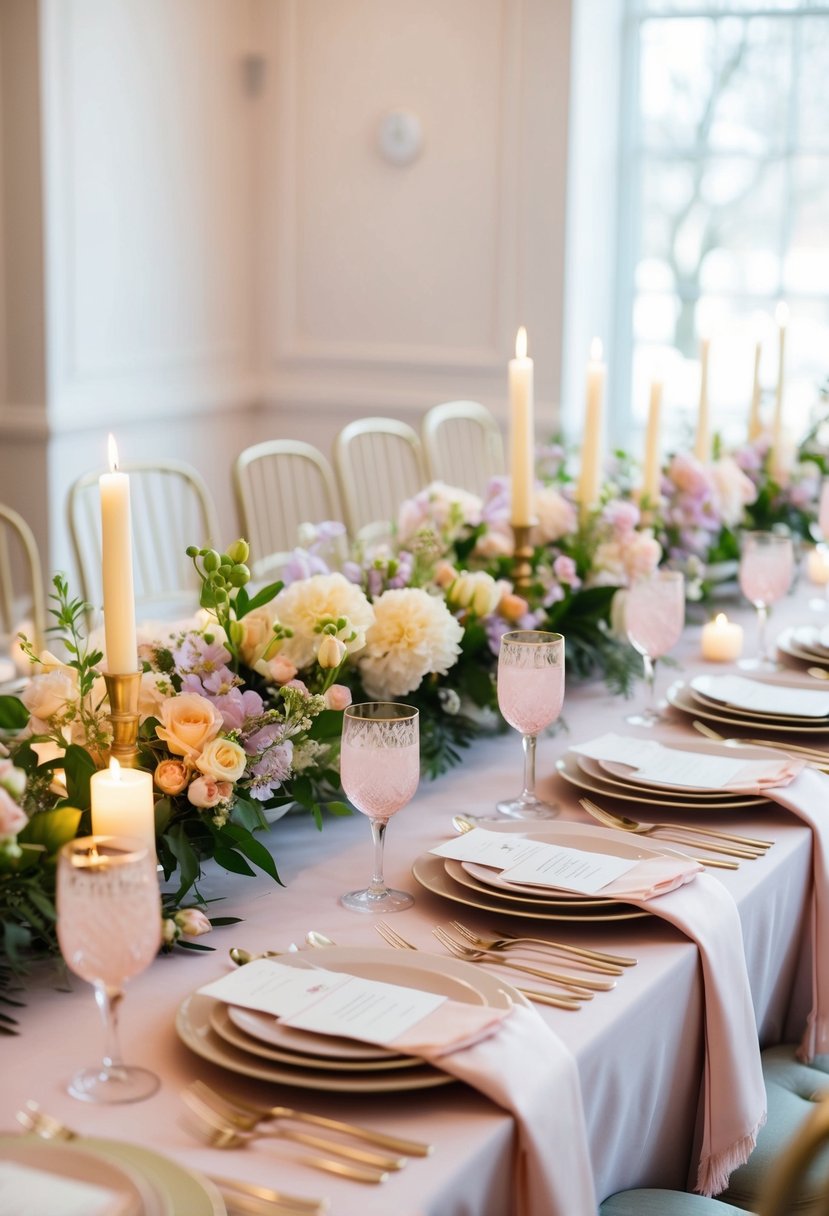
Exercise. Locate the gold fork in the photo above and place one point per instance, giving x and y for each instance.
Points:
(610, 821)
(581, 957)
(211, 1129)
(668, 831)
(247, 1116)
(581, 989)
(559, 1000)
(813, 755)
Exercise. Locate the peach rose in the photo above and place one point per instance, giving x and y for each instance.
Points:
(171, 776)
(204, 792)
(257, 634)
(337, 697)
(512, 607)
(223, 760)
(188, 723)
(278, 669)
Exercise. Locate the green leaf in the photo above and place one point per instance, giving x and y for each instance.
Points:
(79, 767)
(232, 861)
(327, 725)
(248, 813)
(338, 808)
(241, 603)
(163, 812)
(219, 921)
(13, 714)
(263, 597)
(252, 848)
(51, 829)
(188, 862)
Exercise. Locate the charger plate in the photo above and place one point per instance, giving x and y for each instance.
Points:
(568, 768)
(681, 696)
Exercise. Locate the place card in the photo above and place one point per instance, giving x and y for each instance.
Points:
(536, 861)
(326, 1002)
(24, 1190)
(777, 699)
(662, 765)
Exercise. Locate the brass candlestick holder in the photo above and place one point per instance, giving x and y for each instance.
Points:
(522, 571)
(123, 691)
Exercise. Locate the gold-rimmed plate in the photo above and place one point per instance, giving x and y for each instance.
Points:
(610, 773)
(567, 768)
(430, 872)
(469, 875)
(682, 698)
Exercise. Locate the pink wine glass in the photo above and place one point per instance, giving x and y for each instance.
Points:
(530, 696)
(380, 771)
(654, 616)
(109, 929)
(766, 573)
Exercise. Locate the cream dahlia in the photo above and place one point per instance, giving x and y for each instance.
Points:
(413, 634)
(312, 601)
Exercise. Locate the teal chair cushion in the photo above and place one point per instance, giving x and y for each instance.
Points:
(665, 1203)
(791, 1089)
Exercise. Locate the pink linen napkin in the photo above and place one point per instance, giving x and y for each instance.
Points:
(807, 797)
(778, 775)
(734, 1092)
(650, 877)
(526, 1069)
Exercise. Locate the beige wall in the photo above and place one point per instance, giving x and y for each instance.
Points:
(227, 254)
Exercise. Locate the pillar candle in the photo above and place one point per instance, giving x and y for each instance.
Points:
(590, 479)
(122, 803)
(522, 435)
(777, 458)
(116, 563)
(702, 447)
(652, 479)
(755, 422)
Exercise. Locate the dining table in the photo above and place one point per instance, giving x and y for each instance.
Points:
(639, 1048)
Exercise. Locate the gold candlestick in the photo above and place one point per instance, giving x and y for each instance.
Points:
(123, 692)
(522, 571)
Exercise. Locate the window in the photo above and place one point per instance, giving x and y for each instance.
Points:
(725, 203)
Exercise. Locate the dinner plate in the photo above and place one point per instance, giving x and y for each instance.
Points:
(223, 1019)
(429, 871)
(611, 772)
(612, 769)
(536, 897)
(414, 969)
(125, 1192)
(570, 771)
(174, 1189)
(804, 641)
(753, 716)
(291, 1039)
(681, 697)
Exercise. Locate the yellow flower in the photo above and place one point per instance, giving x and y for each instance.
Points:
(188, 723)
(223, 760)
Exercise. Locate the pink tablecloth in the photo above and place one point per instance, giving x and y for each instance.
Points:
(638, 1048)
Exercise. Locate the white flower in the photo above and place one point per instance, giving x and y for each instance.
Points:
(413, 634)
(323, 597)
(556, 516)
(47, 696)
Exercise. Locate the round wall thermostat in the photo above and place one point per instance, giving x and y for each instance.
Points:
(400, 137)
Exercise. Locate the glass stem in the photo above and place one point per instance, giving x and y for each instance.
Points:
(108, 1001)
(649, 666)
(762, 618)
(377, 886)
(529, 742)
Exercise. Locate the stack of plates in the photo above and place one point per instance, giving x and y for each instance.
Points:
(481, 887)
(137, 1181)
(702, 699)
(807, 644)
(610, 780)
(257, 1045)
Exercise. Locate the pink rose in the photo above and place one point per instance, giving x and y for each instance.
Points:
(12, 779)
(171, 776)
(12, 817)
(622, 516)
(687, 473)
(204, 792)
(642, 555)
(192, 922)
(280, 670)
(564, 568)
(337, 697)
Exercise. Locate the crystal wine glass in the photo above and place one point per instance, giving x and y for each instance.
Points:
(654, 616)
(530, 696)
(109, 929)
(379, 770)
(766, 572)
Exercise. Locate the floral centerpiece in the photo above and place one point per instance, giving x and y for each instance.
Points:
(786, 493)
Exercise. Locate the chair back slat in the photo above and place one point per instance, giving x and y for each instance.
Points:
(379, 463)
(281, 484)
(21, 578)
(463, 445)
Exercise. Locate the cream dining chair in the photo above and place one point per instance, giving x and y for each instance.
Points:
(463, 445)
(21, 578)
(171, 509)
(379, 463)
(279, 485)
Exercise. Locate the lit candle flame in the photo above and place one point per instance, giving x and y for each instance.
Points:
(112, 449)
(596, 350)
(114, 769)
(781, 314)
(720, 619)
(521, 343)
